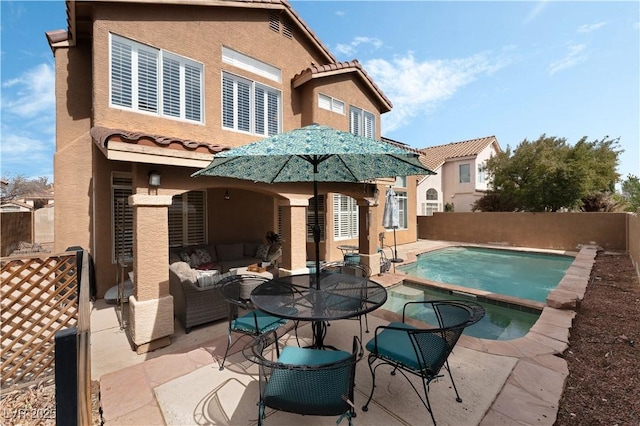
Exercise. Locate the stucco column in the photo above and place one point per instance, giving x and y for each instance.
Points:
(368, 236)
(151, 305)
(294, 234)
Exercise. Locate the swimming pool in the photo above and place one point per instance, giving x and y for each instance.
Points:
(524, 275)
(499, 323)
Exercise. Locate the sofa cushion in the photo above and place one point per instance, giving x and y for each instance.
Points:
(207, 278)
(230, 251)
(194, 260)
(173, 257)
(211, 248)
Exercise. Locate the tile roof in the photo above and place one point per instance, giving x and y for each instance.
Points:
(337, 68)
(103, 135)
(434, 156)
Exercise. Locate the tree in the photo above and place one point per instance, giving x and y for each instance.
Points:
(18, 186)
(550, 174)
(631, 193)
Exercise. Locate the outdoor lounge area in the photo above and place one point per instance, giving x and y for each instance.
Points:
(498, 381)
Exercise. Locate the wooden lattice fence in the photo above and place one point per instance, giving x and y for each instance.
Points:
(39, 298)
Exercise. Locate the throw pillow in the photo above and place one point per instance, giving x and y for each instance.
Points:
(204, 255)
(206, 266)
(185, 257)
(194, 260)
(262, 251)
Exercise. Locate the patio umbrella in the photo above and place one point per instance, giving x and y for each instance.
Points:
(315, 154)
(391, 219)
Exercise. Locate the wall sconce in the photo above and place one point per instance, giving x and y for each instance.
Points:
(373, 201)
(227, 197)
(154, 178)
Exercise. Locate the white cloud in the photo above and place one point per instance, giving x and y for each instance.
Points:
(352, 47)
(572, 58)
(587, 28)
(31, 94)
(28, 122)
(417, 87)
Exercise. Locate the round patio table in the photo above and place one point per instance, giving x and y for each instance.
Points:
(298, 297)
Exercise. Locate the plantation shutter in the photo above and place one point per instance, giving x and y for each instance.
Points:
(147, 80)
(311, 220)
(259, 110)
(187, 219)
(121, 79)
(122, 215)
(345, 217)
(193, 92)
(243, 106)
(369, 125)
(227, 102)
(171, 87)
(273, 108)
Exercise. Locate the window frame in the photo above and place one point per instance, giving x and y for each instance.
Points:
(430, 194)
(153, 84)
(403, 207)
(365, 125)
(346, 218)
(252, 88)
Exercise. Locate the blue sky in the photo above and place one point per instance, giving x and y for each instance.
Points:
(454, 71)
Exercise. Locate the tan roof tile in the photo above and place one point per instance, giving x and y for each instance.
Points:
(434, 156)
(103, 134)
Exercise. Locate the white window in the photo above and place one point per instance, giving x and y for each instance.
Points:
(482, 173)
(401, 182)
(465, 173)
(330, 104)
(187, 219)
(432, 194)
(429, 208)
(150, 80)
(345, 217)
(121, 216)
(402, 206)
(362, 123)
(311, 217)
(250, 107)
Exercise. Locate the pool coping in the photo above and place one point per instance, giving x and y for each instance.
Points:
(533, 390)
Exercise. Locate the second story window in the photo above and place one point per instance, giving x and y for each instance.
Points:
(330, 104)
(432, 194)
(150, 80)
(362, 123)
(250, 107)
(465, 173)
(482, 173)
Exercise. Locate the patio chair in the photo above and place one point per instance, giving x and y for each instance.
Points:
(305, 381)
(422, 351)
(243, 317)
(350, 268)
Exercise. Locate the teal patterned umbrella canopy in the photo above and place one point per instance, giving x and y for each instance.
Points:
(315, 154)
(336, 156)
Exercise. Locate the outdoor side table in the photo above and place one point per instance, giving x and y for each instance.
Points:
(339, 296)
(350, 253)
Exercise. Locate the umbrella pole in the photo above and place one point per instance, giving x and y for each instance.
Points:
(316, 224)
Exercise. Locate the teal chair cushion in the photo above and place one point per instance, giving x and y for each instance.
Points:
(266, 322)
(304, 356)
(396, 345)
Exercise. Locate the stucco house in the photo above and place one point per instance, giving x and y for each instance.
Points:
(460, 177)
(148, 91)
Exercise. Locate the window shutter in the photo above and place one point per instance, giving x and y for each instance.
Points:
(243, 106)
(369, 125)
(259, 110)
(195, 208)
(121, 81)
(193, 93)
(227, 102)
(273, 115)
(171, 87)
(122, 215)
(354, 121)
(310, 217)
(324, 102)
(175, 222)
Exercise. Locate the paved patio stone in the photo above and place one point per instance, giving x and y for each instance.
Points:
(558, 333)
(125, 391)
(516, 403)
(538, 380)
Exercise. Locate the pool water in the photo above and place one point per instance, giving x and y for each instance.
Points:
(499, 322)
(513, 273)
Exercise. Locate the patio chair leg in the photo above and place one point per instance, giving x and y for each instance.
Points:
(458, 399)
(365, 407)
(225, 353)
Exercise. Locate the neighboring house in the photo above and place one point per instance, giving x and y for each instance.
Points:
(147, 92)
(38, 200)
(460, 177)
(15, 206)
